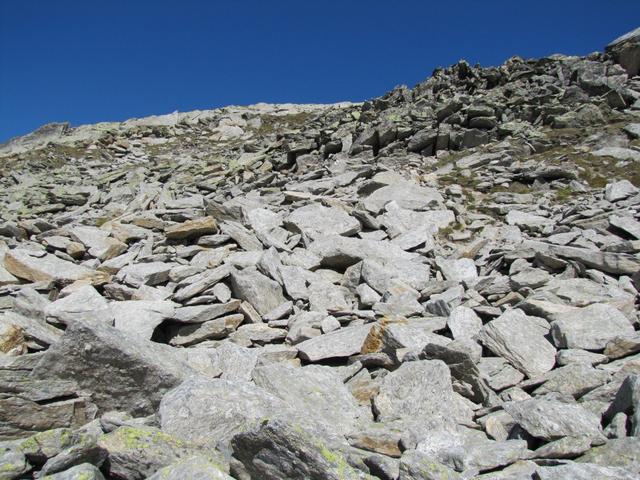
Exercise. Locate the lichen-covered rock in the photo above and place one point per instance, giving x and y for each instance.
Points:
(277, 450)
(138, 453)
(195, 468)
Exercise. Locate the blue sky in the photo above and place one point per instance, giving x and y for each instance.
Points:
(88, 61)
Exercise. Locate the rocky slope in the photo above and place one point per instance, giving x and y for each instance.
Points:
(440, 283)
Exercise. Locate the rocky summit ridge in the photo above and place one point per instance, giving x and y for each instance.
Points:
(440, 283)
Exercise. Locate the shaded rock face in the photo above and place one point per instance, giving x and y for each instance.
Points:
(438, 283)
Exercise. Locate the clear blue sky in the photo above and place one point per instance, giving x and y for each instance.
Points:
(86, 61)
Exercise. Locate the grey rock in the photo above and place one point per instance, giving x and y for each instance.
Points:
(576, 356)
(277, 450)
(82, 305)
(416, 465)
(260, 291)
(212, 412)
(575, 380)
(627, 401)
(215, 329)
(314, 391)
(32, 329)
(151, 273)
(460, 270)
(98, 242)
(620, 190)
(339, 344)
(194, 468)
(138, 453)
(566, 447)
(325, 296)
(463, 322)
(335, 251)
(84, 471)
(498, 373)
(627, 224)
(550, 420)
(201, 282)
(626, 51)
(617, 452)
(28, 265)
(138, 371)
(141, 317)
(204, 313)
(407, 195)
(417, 393)
(618, 153)
(520, 340)
(583, 471)
(589, 328)
(316, 220)
(13, 465)
(621, 346)
(379, 273)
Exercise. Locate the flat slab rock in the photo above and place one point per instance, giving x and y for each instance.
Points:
(590, 328)
(315, 220)
(519, 339)
(338, 344)
(551, 420)
(26, 265)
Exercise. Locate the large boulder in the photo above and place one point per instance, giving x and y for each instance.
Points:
(626, 51)
(213, 411)
(418, 393)
(590, 328)
(138, 452)
(123, 372)
(280, 451)
(314, 390)
(551, 420)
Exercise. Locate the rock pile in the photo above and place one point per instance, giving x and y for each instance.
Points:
(438, 283)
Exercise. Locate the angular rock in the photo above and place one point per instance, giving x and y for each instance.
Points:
(407, 195)
(84, 471)
(211, 412)
(590, 328)
(521, 341)
(191, 229)
(316, 391)
(197, 468)
(122, 371)
(141, 317)
(550, 420)
(464, 323)
(260, 291)
(276, 450)
(417, 392)
(83, 305)
(138, 453)
(215, 329)
(316, 220)
(26, 265)
(339, 344)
